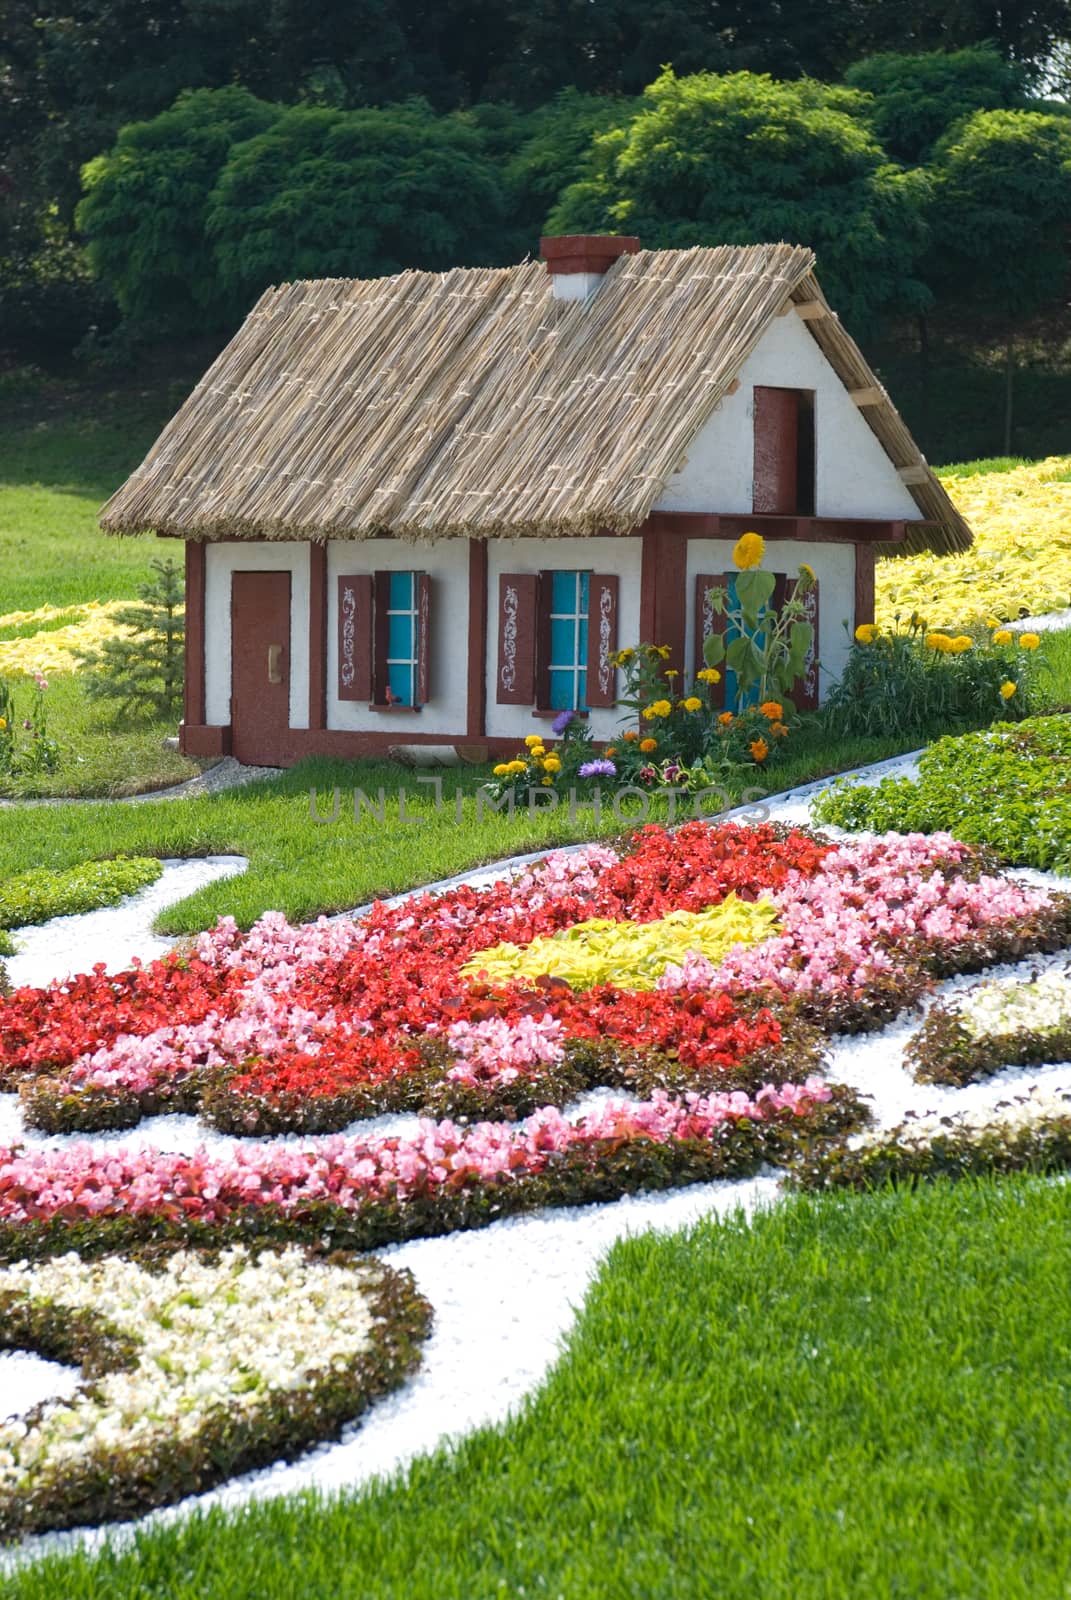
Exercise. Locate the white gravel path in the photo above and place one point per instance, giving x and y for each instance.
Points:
(114, 934)
(504, 1297)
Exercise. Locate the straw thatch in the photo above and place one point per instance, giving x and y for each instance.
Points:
(473, 403)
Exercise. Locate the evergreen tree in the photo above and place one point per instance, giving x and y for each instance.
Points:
(141, 671)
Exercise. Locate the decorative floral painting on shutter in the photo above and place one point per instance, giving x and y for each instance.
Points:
(518, 605)
(602, 640)
(355, 637)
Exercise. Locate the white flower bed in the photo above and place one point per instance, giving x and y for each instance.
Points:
(196, 1365)
(1039, 1002)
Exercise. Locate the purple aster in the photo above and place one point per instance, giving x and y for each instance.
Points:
(597, 769)
(562, 721)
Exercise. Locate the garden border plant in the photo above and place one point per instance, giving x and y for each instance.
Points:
(1006, 788)
(37, 896)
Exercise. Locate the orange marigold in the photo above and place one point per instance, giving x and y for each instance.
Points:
(759, 749)
(631, 734)
(773, 710)
(647, 745)
(725, 718)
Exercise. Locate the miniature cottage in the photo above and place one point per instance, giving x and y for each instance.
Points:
(422, 510)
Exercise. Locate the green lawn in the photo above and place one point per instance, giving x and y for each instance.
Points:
(303, 867)
(61, 456)
(96, 756)
(852, 1396)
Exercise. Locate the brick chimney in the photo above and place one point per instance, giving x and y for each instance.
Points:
(576, 261)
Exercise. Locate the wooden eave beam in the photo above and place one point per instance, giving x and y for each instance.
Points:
(918, 472)
(810, 310)
(872, 396)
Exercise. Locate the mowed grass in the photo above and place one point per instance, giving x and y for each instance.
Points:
(61, 456)
(97, 756)
(860, 1395)
(302, 867)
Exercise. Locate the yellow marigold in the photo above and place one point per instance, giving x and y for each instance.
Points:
(749, 550)
(1007, 689)
(1029, 641)
(663, 651)
(693, 703)
(547, 782)
(779, 729)
(772, 710)
(647, 745)
(657, 708)
(516, 767)
(939, 642)
(537, 752)
(501, 770)
(631, 734)
(866, 633)
(759, 749)
(552, 764)
(671, 672)
(623, 658)
(709, 675)
(725, 718)
(533, 739)
(961, 643)
(1002, 636)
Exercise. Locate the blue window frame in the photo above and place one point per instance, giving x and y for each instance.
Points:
(568, 621)
(402, 636)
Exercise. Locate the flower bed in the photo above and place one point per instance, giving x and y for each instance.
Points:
(1029, 1133)
(38, 895)
(196, 1365)
(1003, 1022)
(1019, 564)
(457, 1004)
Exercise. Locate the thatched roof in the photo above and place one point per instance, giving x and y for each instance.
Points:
(473, 403)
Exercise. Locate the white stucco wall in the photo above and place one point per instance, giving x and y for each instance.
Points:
(221, 560)
(835, 566)
(853, 475)
(447, 564)
(622, 556)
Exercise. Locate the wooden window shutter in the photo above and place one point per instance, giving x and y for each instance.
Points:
(602, 640)
(707, 621)
(805, 690)
(421, 693)
(380, 637)
(518, 615)
(355, 637)
(776, 421)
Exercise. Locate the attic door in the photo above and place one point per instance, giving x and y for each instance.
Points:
(784, 452)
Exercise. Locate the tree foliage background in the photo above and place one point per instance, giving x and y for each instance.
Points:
(161, 161)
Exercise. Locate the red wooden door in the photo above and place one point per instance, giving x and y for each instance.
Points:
(777, 417)
(260, 665)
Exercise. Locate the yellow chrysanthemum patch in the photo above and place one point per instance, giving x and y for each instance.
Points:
(51, 650)
(630, 955)
(1021, 559)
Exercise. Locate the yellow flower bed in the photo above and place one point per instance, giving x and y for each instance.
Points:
(631, 955)
(57, 649)
(1020, 563)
